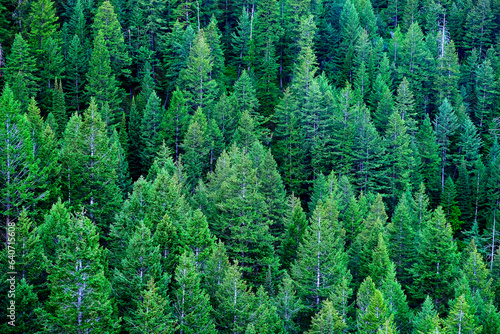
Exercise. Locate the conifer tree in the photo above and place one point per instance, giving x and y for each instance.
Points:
(175, 122)
(134, 132)
(425, 319)
(493, 192)
(152, 314)
(52, 68)
(461, 319)
(288, 304)
(150, 135)
(375, 315)
(20, 69)
(80, 294)
(196, 146)
(327, 320)
(401, 238)
(89, 164)
(191, 304)
(198, 238)
(321, 260)
(436, 260)
(42, 25)
(350, 31)
(201, 89)
(21, 176)
(265, 41)
(234, 300)
(449, 204)
(399, 158)
(59, 109)
(445, 125)
(101, 80)
(380, 264)
(486, 90)
(106, 21)
(140, 263)
(479, 26)
(395, 299)
(295, 227)
(76, 63)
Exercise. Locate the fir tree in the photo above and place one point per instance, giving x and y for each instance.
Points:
(295, 227)
(42, 25)
(436, 260)
(288, 304)
(200, 89)
(152, 314)
(191, 304)
(101, 81)
(76, 62)
(150, 134)
(175, 122)
(479, 26)
(327, 320)
(20, 71)
(460, 319)
(80, 294)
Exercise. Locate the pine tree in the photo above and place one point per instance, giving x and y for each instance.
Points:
(380, 263)
(399, 158)
(449, 204)
(21, 175)
(493, 193)
(375, 315)
(425, 319)
(59, 109)
(52, 68)
(101, 81)
(213, 37)
(350, 31)
(152, 314)
(191, 304)
(486, 90)
(198, 238)
(80, 294)
(401, 238)
(135, 147)
(395, 299)
(200, 89)
(150, 135)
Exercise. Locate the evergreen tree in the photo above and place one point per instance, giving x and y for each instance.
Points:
(436, 260)
(191, 304)
(395, 299)
(106, 21)
(201, 89)
(76, 62)
(80, 294)
(151, 315)
(101, 81)
(265, 41)
(89, 164)
(486, 90)
(59, 109)
(175, 122)
(140, 263)
(479, 26)
(321, 260)
(295, 227)
(20, 69)
(493, 193)
(234, 301)
(328, 320)
(196, 146)
(42, 25)
(375, 315)
(288, 305)
(446, 125)
(460, 319)
(150, 127)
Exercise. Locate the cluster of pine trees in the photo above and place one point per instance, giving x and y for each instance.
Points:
(265, 166)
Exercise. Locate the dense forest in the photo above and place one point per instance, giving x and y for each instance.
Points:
(265, 166)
